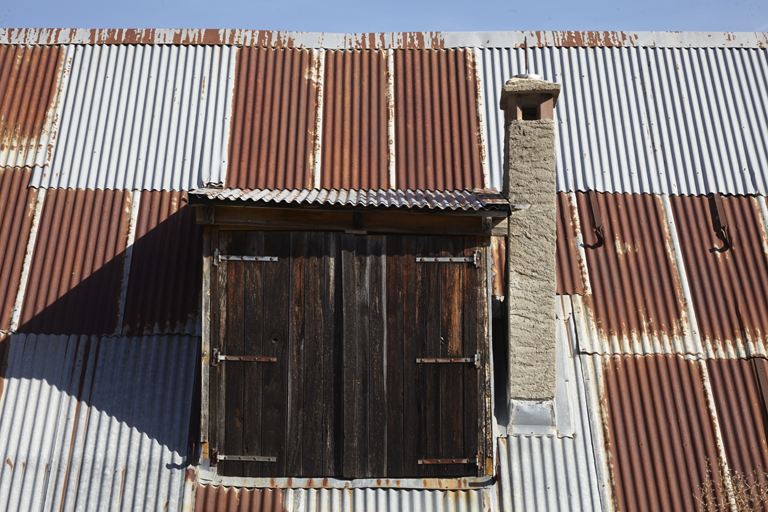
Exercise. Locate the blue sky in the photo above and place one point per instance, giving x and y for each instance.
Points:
(393, 15)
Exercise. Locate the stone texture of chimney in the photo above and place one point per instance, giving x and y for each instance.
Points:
(531, 281)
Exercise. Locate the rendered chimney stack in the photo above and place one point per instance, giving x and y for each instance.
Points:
(529, 103)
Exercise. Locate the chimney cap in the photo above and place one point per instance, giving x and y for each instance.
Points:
(528, 84)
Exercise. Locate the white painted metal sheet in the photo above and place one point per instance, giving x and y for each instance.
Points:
(95, 424)
(646, 120)
(142, 117)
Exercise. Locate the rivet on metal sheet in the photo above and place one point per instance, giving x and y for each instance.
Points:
(595, 208)
(721, 225)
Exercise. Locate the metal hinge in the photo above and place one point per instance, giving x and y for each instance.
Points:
(218, 357)
(218, 257)
(216, 457)
(474, 359)
(475, 258)
(476, 460)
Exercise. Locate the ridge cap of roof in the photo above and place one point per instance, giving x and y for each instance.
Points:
(386, 40)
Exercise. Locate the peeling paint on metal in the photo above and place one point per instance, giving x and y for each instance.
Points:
(28, 94)
(729, 287)
(637, 302)
(27, 262)
(316, 156)
(391, 143)
(412, 40)
(482, 129)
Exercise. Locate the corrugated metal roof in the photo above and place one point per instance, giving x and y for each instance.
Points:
(442, 200)
(17, 208)
(274, 119)
(569, 254)
(740, 410)
(76, 272)
(363, 500)
(646, 120)
(29, 78)
(357, 149)
(142, 117)
(558, 471)
(209, 498)
(729, 288)
(437, 134)
(638, 302)
(95, 424)
(288, 39)
(163, 292)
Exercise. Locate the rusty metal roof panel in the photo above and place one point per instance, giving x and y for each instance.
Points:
(209, 498)
(29, 85)
(639, 300)
(667, 120)
(659, 429)
(740, 405)
(356, 115)
(435, 40)
(430, 199)
(274, 119)
(142, 117)
(17, 212)
(91, 423)
(438, 143)
(166, 273)
(76, 272)
(569, 254)
(729, 286)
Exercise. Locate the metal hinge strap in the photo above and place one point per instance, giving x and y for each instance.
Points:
(218, 257)
(474, 359)
(218, 357)
(475, 258)
(476, 460)
(216, 456)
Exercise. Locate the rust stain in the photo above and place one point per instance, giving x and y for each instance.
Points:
(17, 207)
(570, 266)
(729, 288)
(77, 263)
(635, 286)
(272, 136)
(660, 440)
(10, 464)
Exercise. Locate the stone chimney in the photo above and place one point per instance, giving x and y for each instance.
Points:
(528, 102)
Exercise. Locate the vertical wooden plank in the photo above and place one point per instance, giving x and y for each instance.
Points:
(414, 332)
(362, 348)
(314, 407)
(296, 353)
(277, 276)
(429, 303)
(482, 342)
(377, 403)
(452, 334)
(234, 345)
(349, 292)
(474, 279)
(332, 355)
(253, 312)
(395, 309)
(214, 376)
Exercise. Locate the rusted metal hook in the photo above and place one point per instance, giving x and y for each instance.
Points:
(595, 208)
